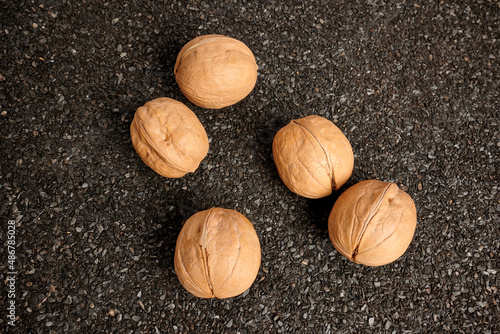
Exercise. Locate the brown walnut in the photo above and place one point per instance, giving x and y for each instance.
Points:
(168, 137)
(217, 254)
(215, 71)
(372, 223)
(313, 157)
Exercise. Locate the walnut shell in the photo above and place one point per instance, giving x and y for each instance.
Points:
(372, 223)
(217, 254)
(168, 137)
(313, 157)
(215, 71)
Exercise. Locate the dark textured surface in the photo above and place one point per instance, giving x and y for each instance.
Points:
(413, 85)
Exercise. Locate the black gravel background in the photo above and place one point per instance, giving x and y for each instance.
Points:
(413, 85)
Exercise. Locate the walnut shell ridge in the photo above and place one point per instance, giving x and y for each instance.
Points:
(215, 71)
(372, 223)
(169, 137)
(313, 156)
(217, 254)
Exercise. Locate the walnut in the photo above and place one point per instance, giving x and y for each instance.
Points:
(372, 223)
(215, 71)
(313, 157)
(168, 137)
(217, 254)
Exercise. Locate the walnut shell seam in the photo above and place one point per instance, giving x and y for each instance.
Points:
(330, 168)
(155, 148)
(367, 221)
(178, 65)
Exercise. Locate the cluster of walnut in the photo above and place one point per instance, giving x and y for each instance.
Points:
(218, 252)
(373, 222)
(213, 71)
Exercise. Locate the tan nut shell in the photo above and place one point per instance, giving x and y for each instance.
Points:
(313, 157)
(372, 223)
(215, 71)
(168, 137)
(217, 254)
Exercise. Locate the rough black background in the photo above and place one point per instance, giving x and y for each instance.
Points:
(413, 85)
